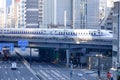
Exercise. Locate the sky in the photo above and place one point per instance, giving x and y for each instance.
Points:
(1, 3)
(8, 2)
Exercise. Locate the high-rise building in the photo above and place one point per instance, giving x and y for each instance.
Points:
(11, 19)
(21, 13)
(79, 13)
(51, 13)
(2, 13)
(106, 15)
(32, 13)
(116, 34)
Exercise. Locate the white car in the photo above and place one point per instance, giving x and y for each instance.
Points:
(14, 66)
(79, 74)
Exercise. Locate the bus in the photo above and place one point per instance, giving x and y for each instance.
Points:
(6, 53)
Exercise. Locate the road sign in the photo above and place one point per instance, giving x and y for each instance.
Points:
(11, 47)
(23, 43)
(0, 47)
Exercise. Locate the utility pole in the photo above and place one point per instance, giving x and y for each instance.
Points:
(73, 14)
(71, 70)
(65, 19)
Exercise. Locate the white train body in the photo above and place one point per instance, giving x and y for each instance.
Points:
(85, 34)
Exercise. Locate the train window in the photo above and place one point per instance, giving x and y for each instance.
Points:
(89, 33)
(73, 33)
(40, 32)
(92, 34)
(59, 33)
(33, 32)
(13, 32)
(84, 33)
(67, 33)
(37, 32)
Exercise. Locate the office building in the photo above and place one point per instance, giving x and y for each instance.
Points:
(21, 13)
(80, 14)
(116, 34)
(2, 13)
(32, 14)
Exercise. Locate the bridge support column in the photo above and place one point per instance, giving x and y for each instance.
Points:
(67, 57)
(30, 59)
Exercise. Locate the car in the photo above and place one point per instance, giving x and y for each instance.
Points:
(79, 74)
(14, 66)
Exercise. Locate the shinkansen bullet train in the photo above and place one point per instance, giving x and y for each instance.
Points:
(87, 34)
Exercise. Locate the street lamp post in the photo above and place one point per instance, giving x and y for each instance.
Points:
(71, 70)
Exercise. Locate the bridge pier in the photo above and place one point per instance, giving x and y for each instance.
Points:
(67, 57)
(30, 56)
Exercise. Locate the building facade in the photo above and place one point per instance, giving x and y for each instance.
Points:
(32, 14)
(80, 14)
(20, 10)
(116, 34)
(2, 13)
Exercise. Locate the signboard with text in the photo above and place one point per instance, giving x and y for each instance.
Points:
(22, 44)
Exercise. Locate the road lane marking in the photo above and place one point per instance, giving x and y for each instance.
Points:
(47, 71)
(50, 66)
(57, 71)
(40, 66)
(83, 78)
(21, 66)
(23, 78)
(55, 76)
(19, 72)
(31, 78)
(65, 76)
(41, 75)
(5, 72)
(44, 73)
